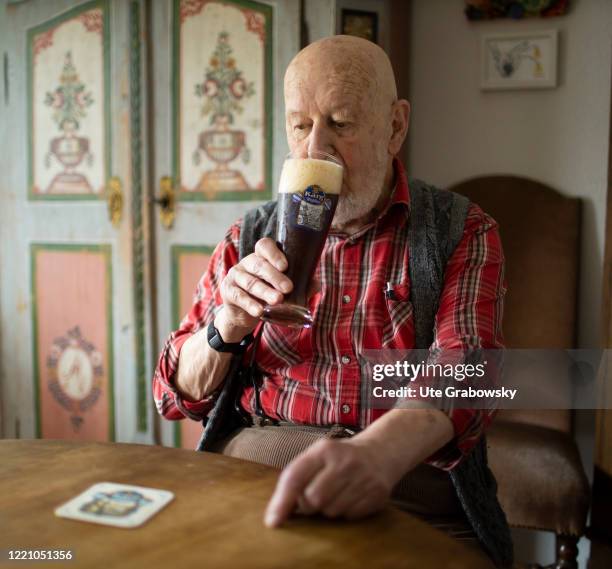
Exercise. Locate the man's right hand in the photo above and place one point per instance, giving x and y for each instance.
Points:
(255, 281)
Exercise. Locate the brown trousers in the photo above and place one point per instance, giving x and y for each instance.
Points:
(426, 492)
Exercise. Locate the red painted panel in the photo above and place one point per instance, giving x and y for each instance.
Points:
(191, 266)
(72, 315)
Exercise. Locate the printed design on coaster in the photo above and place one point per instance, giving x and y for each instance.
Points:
(313, 204)
(119, 505)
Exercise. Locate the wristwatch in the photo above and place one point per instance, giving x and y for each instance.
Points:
(215, 341)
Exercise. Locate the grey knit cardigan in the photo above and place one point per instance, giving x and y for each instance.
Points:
(435, 227)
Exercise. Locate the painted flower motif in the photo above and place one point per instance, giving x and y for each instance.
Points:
(238, 88)
(56, 99)
(70, 99)
(211, 88)
(82, 99)
(223, 86)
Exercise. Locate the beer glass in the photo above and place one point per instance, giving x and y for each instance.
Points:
(307, 197)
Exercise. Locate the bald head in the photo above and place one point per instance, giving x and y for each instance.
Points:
(349, 61)
(340, 98)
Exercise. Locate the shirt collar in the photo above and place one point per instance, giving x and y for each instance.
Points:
(401, 193)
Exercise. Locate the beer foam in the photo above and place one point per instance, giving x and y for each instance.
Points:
(299, 173)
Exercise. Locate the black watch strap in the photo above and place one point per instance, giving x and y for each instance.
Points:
(215, 341)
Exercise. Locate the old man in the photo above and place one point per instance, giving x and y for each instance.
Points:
(341, 98)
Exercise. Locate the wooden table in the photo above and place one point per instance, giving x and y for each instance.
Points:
(215, 519)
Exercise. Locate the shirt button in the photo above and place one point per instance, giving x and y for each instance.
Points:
(346, 299)
(346, 408)
(346, 360)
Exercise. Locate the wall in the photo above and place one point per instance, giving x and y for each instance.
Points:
(556, 136)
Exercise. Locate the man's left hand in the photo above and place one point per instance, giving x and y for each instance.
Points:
(354, 477)
(338, 478)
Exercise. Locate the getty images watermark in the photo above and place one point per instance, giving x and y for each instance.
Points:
(488, 379)
(437, 373)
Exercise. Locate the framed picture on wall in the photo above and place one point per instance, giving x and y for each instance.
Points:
(360, 23)
(525, 60)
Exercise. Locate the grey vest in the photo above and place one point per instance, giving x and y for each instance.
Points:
(435, 226)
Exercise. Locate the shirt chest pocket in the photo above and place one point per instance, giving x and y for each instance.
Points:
(398, 328)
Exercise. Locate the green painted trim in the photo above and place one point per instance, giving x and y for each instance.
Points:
(108, 135)
(105, 250)
(35, 351)
(138, 260)
(175, 286)
(31, 33)
(269, 102)
(249, 195)
(30, 109)
(176, 93)
(63, 197)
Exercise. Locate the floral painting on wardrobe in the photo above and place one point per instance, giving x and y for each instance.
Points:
(68, 86)
(223, 99)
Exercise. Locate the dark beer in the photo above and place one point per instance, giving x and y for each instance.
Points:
(307, 198)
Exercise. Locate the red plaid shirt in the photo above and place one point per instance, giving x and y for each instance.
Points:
(314, 375)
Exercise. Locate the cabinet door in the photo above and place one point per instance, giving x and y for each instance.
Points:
(73, 354)
(219, 136)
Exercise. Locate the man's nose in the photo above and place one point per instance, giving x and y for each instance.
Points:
(321, 139)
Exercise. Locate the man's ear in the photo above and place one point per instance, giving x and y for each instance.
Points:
(400, 117)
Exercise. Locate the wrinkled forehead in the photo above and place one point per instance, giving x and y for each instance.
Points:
(329, 95)
(351, 84)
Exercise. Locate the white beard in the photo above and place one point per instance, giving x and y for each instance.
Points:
(358, 204)
(356, 207)
(351, 208)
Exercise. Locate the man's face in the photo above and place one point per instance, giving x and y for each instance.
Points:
(335, 112)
